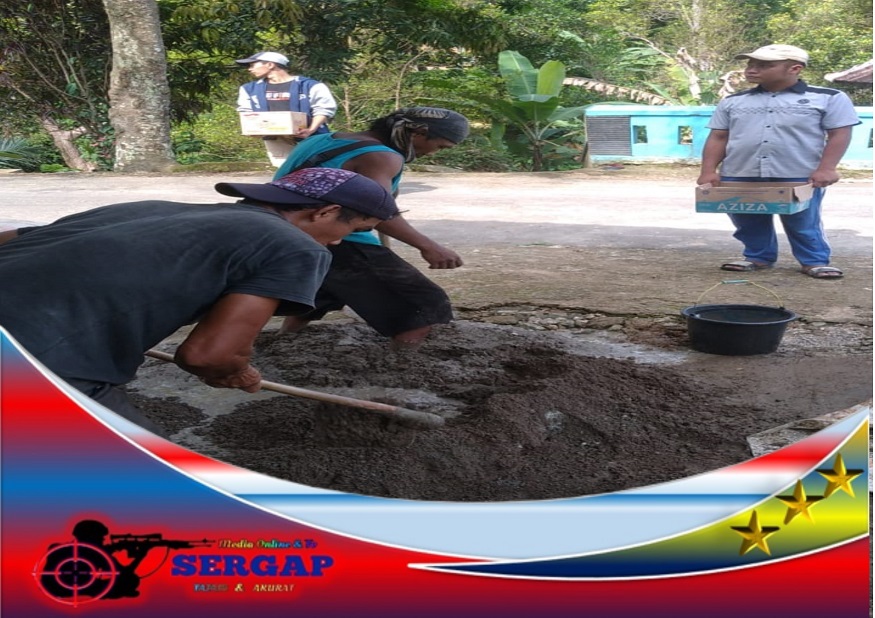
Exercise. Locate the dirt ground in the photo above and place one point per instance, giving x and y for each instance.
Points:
(530, 414)
(568, 370)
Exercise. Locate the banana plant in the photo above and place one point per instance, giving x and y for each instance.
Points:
(532, 106)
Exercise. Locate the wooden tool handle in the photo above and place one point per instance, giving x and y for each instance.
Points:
(414, 418)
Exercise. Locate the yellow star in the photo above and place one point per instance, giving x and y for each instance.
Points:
(799, 503)
(755, 535)
(839, 478)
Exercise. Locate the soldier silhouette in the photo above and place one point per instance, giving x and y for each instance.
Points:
(90, 567)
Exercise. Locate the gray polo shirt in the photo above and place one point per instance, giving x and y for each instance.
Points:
(780, 134)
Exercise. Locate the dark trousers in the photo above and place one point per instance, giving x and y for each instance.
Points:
(112, 397)
(389, 294)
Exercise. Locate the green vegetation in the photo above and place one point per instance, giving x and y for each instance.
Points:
(214, 137)
(16, 153)
(527, 121)
(56, 57)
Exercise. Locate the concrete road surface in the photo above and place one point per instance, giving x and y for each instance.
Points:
(611, 242)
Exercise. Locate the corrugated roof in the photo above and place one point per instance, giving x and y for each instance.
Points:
(860, 74)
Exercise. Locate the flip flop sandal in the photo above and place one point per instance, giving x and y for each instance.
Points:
(823, 272)
(744, 266)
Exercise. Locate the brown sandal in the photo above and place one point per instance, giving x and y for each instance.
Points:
(744, 266)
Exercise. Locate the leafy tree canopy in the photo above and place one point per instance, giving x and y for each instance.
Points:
(328, 39)
(54, 62)
(833, 44)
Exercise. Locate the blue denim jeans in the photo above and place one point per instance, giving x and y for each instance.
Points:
(804, 230)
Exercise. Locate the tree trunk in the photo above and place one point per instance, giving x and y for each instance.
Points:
(537, 156)
(63, 140)
(139, 95)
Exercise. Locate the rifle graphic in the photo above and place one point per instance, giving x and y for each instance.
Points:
(141, 542)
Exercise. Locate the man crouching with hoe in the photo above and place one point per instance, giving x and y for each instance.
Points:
(89, 294)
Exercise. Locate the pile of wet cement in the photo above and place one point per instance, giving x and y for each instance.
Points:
(528, 417)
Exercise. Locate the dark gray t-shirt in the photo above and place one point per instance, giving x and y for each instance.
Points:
(88, 294)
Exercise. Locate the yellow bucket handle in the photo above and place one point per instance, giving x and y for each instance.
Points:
(736, 281)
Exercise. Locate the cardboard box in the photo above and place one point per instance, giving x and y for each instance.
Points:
(272, 123)
(754, 198)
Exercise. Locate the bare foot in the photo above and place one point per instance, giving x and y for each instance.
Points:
(404, 346)
(292, 324)
(409, 341)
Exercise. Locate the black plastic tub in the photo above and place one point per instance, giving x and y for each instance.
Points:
(736, 330)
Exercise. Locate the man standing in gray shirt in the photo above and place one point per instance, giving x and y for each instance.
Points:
(783, 130)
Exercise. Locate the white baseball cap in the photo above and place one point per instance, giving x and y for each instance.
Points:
(771, 53)
(267, 56)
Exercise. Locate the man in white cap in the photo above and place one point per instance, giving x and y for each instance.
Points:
(782, 130)
(276, 90)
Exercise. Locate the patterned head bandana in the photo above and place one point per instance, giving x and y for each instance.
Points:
(439, 122)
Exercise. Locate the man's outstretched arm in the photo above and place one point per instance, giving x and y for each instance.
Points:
(436, 255)
(219, 348)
